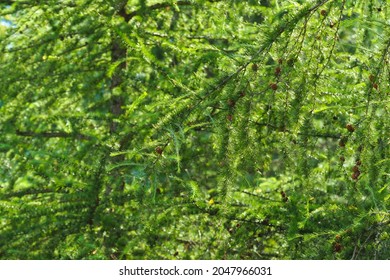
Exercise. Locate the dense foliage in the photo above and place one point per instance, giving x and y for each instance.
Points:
(194, 129)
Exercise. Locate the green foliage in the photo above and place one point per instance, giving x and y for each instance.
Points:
(194, 130)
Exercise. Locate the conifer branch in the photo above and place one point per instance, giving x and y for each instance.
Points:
(33, 191)
(275, 33)
(53, 134)
(158, 6)
(314, 134)
(258, 196)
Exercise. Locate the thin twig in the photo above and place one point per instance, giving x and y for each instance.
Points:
(50, 134)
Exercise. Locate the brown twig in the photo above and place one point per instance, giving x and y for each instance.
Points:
(53, 134)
